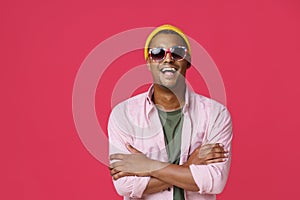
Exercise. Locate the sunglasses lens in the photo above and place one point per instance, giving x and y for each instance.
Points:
(157, 53)
(178, 53)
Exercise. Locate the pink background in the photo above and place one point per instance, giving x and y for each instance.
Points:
(255, 45)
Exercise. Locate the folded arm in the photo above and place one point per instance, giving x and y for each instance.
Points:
(164, 174)
(135, 174)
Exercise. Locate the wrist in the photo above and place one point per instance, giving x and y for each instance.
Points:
(186, 164)
(157, 167)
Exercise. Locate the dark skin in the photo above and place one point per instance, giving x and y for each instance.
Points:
(169, 91)
(164, 175)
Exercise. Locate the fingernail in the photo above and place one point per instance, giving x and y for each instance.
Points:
(221, 145)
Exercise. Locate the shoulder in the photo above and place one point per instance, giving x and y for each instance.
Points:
(217, 119)
(129, 105)
(198, 101)
(129, 114)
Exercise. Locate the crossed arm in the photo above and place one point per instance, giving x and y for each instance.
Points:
(163, 175)
(205, 170)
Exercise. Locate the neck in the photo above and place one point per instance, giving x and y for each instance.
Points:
(169, 99)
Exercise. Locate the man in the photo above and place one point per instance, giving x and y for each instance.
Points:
(169, 143)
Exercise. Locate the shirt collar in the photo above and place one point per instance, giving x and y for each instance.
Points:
(150, 105)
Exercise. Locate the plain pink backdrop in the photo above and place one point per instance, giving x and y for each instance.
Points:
(255, 45)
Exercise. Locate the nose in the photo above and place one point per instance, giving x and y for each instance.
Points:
(168, 57)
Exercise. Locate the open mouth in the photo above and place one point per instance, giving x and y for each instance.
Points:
(168, 70)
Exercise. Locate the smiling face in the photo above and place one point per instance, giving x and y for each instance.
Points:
(168, 72)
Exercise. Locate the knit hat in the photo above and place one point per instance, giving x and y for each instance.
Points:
(161, 28)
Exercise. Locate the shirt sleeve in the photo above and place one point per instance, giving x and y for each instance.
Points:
(211, 178)
(130, 186)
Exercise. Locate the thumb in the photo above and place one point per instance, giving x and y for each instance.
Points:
(132, 149)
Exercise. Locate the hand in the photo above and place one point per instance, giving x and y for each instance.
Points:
(207, 154)
(134, 164)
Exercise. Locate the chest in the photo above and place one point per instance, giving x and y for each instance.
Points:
(150, 139)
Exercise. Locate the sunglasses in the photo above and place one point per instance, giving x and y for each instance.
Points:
(178, 53)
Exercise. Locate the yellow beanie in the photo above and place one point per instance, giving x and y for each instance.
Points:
(161, 28)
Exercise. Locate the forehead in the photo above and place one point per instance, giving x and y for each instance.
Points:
(166, 40)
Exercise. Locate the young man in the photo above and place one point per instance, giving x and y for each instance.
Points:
(169, 143)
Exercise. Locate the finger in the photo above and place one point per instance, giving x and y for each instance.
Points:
(132, 149)
(221, 146)
(211, 145)
(117, 176)
(216, 160)
(117, 156)
(219, 150)
(116, 164)
(213, 148)
(207, 146)
(113, 172)
(206, 152)
(212, 156)
(120, 175)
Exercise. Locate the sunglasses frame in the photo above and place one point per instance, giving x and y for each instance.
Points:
(168, 50)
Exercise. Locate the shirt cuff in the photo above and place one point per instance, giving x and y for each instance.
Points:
(139, 186)
(202, 178)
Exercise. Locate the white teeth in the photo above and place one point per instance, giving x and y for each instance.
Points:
(168, 69)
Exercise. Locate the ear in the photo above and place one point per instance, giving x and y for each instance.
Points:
(188, 60)
(148, 64)
(188, 65)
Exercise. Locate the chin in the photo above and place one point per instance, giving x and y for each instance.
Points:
(175, 83)
(169, 85)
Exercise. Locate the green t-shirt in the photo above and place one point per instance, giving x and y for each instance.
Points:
(172, 124)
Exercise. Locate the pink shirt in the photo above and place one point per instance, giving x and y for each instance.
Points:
(136, 121)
